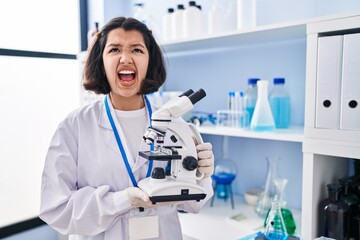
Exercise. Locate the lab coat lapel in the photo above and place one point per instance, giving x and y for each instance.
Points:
(111, 140)
(140, 161)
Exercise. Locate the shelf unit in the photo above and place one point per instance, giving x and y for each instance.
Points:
(323, 150)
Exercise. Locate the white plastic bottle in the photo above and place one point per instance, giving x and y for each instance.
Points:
(262, 119)
(91, 34)
(192, 21)
(246, 14)
(280, 103)
(143, 16)
(178, 22)
(167, 25)
(216, 19)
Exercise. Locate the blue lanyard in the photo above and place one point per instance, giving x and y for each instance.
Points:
(121, 147)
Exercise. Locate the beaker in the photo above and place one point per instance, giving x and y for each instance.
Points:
(262, 120)
(266, 197)
(280, 184)
(275, 228)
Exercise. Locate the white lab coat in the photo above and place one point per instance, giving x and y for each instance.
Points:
(84, 179)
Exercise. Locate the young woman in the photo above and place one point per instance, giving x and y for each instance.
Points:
(88, 191)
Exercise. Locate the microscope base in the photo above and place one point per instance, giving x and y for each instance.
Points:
(169, 190)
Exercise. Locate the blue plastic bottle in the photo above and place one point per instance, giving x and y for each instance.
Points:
(250, 96)
(279, 99)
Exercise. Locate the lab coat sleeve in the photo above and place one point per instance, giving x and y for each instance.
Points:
(194, 206)
(69, 210)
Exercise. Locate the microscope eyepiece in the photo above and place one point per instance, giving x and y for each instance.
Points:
(197, 96)
(187, 93)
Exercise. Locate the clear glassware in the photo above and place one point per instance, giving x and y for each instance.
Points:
(280, 184)
(266, 197)
(275, 228)
(262, 119)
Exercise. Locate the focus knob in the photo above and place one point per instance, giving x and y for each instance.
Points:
(158, 173)
(190, 163)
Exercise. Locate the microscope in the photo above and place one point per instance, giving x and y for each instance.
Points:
(178, 181)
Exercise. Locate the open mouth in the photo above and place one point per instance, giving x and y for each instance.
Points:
(126, 75)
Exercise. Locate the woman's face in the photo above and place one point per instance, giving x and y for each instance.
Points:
(126, 60)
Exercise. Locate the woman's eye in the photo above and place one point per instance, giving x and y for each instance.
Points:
(137, 50)
(114, 50)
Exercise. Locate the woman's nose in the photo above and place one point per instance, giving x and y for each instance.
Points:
(126, 59)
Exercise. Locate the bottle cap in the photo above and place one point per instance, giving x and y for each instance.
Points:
(192, 3)
(170, 10)
(180, 6)
(253, 81)
(279, 80)
(231, 94)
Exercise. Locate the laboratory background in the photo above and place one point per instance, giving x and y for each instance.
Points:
(293, 61)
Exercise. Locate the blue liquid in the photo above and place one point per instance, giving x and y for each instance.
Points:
(280, 107)
(250, 110)
(262, 128)
(223, 181)
(276, 236)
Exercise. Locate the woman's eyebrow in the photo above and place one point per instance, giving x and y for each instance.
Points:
(113, 45)
(138, 45)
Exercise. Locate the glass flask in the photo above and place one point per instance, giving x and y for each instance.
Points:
(224, 174)
(263, 119)
(266, 197)
(275, 228)
(280, 184)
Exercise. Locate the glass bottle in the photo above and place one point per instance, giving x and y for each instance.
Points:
(250, 96)
(275, 228)
(280, 103)
(336, 215)
(280, 184)
(350, 199)
(262, 120)
(266, 197)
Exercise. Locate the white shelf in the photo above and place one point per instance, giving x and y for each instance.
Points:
(265, 34)
(292, 134)
(262, 34)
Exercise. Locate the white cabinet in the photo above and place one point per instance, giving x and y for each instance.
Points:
(324, 149)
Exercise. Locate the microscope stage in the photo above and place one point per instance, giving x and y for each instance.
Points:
(160, 156)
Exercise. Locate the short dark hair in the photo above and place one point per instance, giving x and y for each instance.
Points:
(94, 72)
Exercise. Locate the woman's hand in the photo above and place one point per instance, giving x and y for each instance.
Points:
(206, 159)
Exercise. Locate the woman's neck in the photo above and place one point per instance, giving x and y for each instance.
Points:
(127, 103)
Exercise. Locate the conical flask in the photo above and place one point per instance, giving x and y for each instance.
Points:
(280, 184)
(262, 119)
(275, 228)
(264, 202)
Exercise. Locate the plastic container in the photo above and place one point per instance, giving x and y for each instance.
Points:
(246, 14)
(279, 99)
(216, 18)
(250, 96)
(262, 119)
(167, 25)
(146, 18)
(91, 34)
(193, 25)
(178, 22)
